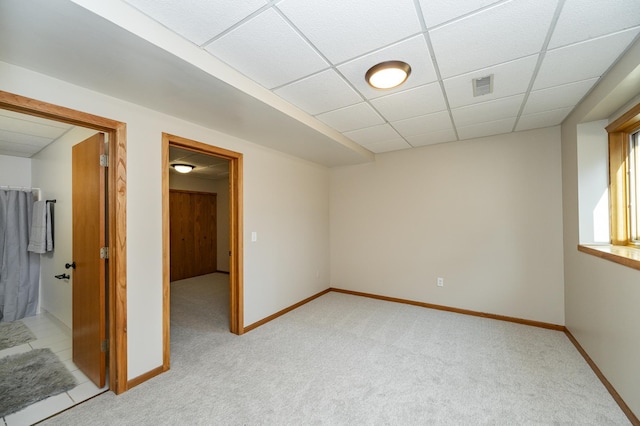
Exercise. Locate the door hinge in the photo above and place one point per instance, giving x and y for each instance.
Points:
(104, 252)
(104, 346)
(104, 160)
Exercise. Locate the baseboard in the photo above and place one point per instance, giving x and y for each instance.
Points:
(144, 377)
(616, 396)
(222, 272)
(455, 310)
(284, 311)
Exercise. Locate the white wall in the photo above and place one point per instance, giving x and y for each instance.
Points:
(601, 296)
(289, 205)
(285, 201)
(221, 188)
(484, 214)
(15, 171)
(51, 172)
(593, 190)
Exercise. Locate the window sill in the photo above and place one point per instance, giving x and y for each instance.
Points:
(624, 255)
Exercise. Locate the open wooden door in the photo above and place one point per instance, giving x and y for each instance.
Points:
(89, 275)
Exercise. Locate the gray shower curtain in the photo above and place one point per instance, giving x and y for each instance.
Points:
(19, 269)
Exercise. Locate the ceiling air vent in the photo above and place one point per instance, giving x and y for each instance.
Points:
(482, 86)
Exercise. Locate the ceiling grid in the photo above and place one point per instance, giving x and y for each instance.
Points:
(313, 56)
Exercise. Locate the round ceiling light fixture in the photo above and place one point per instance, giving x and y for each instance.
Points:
(387, 75)
(183, 168)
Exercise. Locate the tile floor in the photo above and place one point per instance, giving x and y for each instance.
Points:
(50, 333)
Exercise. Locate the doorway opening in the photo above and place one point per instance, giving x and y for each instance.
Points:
(115, 220)
(234, 159)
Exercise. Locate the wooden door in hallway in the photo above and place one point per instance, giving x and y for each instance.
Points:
(193, 233)
(89, 275)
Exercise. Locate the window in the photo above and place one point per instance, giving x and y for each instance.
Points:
(624, 178)
(624, 193)
(634, 189)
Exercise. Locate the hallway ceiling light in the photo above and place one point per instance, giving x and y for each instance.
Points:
(183, 168)
(387, 75)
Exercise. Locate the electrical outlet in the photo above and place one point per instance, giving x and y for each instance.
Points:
(440, 282)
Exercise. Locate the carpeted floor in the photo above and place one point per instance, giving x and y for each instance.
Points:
(344, 359)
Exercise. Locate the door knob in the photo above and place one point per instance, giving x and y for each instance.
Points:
(70, 265)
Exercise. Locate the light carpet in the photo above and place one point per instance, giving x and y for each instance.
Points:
(13, 334)
(344, 359)
(29, 377)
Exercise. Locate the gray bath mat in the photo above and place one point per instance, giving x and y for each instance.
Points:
(30, 377)
(14, 334)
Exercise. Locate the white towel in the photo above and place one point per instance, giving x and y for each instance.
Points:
(49, 227)
(38, 234)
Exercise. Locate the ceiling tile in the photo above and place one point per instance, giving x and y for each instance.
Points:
(5, 145)
(272, 61)
(211, 173)
(557, 97)
(353, 117)
(197, 20)
(413, 51)
(9, 151)
(437, 12)
(319, 93)
(423, 124)
(488, 111)
(33, 119)
(481, 36)
(36, 142)
(378, 133)
(581, 61)
(486, 129)
(32, 126)
(411, 103)
(581, 20)
(510, 78)
(543, 119)
(386, 145)
(342, 30)
(432, 138)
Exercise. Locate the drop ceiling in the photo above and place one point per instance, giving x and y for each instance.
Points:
(305, 62)
(23, 135)
(205, 166)
(544, 56)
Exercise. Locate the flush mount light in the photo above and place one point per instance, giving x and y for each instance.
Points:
(183, 168)
(387, 75)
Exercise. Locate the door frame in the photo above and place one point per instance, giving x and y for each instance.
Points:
(116, 220)
(236, 299)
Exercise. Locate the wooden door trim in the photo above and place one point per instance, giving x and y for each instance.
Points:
(235, 224)
(117, 232)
